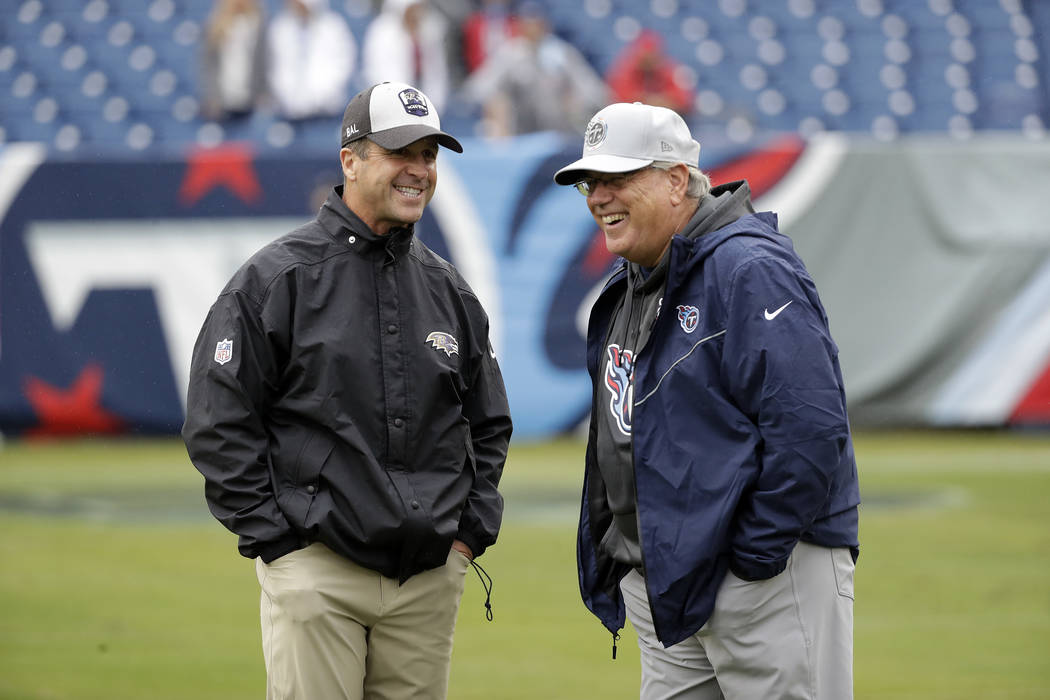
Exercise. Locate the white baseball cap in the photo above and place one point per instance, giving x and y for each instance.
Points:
(624, 137)
(393, 115)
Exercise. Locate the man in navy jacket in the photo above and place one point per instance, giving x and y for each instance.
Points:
(720, 499)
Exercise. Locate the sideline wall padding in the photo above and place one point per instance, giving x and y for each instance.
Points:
(932, 257)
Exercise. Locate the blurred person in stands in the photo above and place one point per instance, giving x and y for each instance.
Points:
(485, 30)
(233, 69)
(350, 420)
(720, 498)
(643, 72)
(535, 82)
(406, 43)
(311, 57)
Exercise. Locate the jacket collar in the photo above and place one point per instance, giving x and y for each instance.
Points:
(341, 223)
(722, 206)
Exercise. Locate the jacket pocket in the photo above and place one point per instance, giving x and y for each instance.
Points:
(297, 496)
(314, 454)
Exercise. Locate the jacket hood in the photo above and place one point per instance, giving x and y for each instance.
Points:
(722, 206)
(714, 220)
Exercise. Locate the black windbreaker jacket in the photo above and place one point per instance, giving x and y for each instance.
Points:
(343, 390)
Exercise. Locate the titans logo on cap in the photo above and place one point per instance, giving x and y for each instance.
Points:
(596, 132)
(415, 104)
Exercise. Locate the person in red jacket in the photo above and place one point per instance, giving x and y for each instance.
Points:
(645, 73)
(485, 30)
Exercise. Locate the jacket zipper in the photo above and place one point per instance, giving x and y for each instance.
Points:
(634, 471)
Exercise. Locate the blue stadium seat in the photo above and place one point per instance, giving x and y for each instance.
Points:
(958, 61)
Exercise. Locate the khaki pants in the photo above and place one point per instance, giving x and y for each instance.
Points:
(332, 629)
(789, 637)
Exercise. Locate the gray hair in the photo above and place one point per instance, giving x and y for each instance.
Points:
(362, 148)
(699, 183)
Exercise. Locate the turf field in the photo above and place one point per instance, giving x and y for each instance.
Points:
(116, 584)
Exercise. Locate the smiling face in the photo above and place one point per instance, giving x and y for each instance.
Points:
(389, 189)
(638, 212)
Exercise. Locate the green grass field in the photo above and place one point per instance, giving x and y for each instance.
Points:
(116, 583)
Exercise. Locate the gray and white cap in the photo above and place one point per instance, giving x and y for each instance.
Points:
(393, 115)
(628, 136)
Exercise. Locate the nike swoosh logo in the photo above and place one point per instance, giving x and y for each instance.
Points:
(771, 316)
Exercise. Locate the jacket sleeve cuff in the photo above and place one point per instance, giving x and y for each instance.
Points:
(271, 551)
(468, 539)
(750, 570)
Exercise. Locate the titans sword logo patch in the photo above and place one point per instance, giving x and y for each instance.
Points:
(619, 381)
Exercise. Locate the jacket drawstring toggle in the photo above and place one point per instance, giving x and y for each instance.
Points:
(486, 583)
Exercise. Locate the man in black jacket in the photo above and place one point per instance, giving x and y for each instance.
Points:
(349, 417)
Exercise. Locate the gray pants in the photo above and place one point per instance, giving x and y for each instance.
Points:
(790, 637)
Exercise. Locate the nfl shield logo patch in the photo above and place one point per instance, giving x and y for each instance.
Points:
(224, 351)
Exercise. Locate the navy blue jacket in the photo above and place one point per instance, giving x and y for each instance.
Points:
(741, 440)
